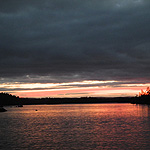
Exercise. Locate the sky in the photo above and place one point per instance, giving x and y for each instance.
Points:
(74, 48)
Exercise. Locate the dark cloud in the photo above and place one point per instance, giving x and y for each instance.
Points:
(73, 40)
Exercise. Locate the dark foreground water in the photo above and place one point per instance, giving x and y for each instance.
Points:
(76, 127)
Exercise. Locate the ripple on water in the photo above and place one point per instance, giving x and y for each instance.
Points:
(85, 126)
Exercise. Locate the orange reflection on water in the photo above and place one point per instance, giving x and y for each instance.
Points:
(84, 126)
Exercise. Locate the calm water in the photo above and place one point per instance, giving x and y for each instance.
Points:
(76, 127)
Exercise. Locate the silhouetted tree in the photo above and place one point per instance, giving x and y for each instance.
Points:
(146, 92)
(144, 97)
(8, 99)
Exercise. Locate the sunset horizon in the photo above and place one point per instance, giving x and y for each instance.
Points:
(93, 88)
(74, 74)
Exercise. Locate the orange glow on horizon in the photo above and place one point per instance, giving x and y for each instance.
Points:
(87, 88)
(82, 92)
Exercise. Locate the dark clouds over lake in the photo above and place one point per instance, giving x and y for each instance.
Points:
(65, 40)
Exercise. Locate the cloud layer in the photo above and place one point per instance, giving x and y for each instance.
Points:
(66, 41)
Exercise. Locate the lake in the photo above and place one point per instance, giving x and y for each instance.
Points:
(76, 127)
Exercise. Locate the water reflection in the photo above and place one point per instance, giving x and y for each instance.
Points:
(84, 126)
(144, 110)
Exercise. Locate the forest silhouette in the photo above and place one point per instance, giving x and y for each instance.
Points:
(8, 99)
